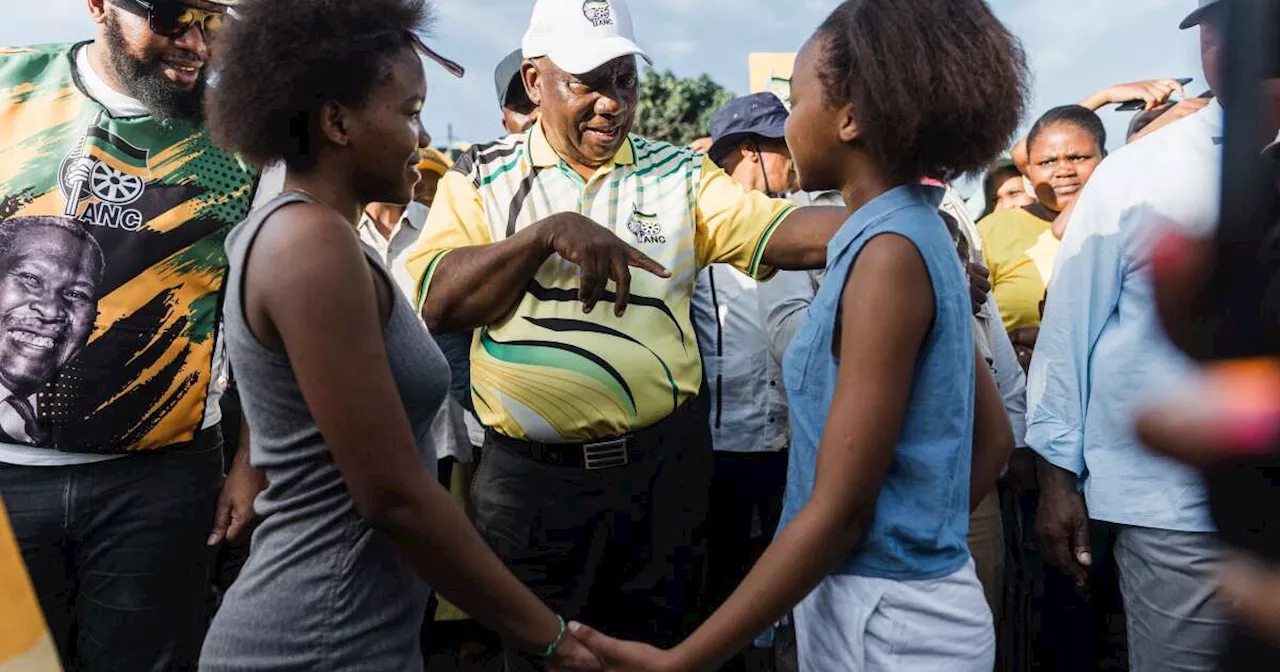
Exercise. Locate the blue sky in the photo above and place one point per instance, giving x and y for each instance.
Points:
(1075, 46)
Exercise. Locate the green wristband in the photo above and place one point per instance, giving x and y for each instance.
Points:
(551, 648)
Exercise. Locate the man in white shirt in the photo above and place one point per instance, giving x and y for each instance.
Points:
(1101, 356)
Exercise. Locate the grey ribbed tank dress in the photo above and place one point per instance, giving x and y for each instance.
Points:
(321, 590)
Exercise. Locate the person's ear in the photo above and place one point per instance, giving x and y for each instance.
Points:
(334, 124)
(750, 154)
(532, 80)
(98, 10)
(847, 124)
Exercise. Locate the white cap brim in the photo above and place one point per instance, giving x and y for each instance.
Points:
(578, 59)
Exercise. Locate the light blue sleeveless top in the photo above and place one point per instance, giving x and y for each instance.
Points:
(922, 514)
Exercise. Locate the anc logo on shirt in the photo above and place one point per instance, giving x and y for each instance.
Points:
(598, 12)
(645, 228)
(110, 169)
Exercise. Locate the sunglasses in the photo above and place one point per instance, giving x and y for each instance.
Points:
(172, 19)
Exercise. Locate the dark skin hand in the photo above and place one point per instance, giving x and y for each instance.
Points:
(856, 450)
(1024, 343)
(346, 380)
(979, 285)
(234, 517)
(586, 119)
(1062, 522)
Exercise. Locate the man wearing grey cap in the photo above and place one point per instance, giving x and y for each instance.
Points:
(594, 476)
(113, 467)
(518, 112)
(1101, 356)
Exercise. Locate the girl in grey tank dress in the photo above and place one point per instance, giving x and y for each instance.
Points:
(321, 590)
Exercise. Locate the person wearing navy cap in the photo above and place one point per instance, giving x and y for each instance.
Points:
(518, 112)
(747, 140)
(748, 405)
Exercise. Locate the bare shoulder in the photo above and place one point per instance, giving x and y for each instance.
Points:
(889, 257)
(305, 243)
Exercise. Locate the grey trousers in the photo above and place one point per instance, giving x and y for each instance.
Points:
(1167, 581)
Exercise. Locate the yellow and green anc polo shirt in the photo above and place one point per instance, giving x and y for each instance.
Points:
(548, 372)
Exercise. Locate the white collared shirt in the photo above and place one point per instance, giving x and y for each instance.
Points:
(393, 249)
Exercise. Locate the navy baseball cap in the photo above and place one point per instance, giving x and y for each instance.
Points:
(504, 77)
(759, 114)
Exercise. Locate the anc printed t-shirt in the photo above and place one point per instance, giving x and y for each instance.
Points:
(548, 372)
(157, 199)
(1019, 249)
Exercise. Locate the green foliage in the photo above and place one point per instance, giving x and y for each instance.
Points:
(677, 110)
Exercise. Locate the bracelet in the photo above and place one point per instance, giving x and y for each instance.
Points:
(551, 648)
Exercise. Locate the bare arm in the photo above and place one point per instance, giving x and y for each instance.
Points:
(857, 446)
(993, 442)
(477, 286)
(800, 241)
(338, 355)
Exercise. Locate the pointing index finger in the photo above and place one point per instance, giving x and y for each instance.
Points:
(638, 259)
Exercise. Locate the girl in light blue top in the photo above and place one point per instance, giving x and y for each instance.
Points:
(896, 432)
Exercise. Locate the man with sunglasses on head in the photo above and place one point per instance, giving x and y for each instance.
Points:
(117, 481)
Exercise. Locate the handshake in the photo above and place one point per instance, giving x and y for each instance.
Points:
(586, 650)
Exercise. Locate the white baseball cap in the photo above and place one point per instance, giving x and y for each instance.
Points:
(581, 35)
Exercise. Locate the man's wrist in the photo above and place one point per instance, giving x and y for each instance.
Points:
(544, 234)
(1052, 476)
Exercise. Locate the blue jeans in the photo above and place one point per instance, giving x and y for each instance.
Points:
(117, 553)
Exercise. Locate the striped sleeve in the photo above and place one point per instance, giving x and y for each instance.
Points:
(734, 225)
(456, 220)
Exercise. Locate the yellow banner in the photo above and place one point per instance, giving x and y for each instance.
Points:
(25, 644)
(772, 72)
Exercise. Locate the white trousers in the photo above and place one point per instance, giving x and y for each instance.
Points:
(861, 624)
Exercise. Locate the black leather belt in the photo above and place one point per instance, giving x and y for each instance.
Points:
(603, 453)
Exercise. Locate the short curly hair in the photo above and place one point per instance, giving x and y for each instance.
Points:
(938, 87)
(1079, 116)
(278, 62)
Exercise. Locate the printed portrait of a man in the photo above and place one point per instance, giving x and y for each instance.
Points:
(50, 270)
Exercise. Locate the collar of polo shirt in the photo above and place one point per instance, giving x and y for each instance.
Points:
(543, 155)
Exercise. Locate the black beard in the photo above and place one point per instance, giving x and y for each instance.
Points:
(148, 85)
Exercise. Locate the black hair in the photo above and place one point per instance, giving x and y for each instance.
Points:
(996, 176)
(1079, 116)
(280, 61)
(938, 87)
(727, 157)
(10, 228)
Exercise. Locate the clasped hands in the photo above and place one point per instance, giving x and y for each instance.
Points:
(586, 650)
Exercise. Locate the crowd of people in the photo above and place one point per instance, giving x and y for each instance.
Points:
(290, 390)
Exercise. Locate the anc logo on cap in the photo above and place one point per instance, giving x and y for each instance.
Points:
(598, 12)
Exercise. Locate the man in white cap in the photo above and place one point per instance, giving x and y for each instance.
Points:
(593, 479)
(113, 467)
(1101, 356)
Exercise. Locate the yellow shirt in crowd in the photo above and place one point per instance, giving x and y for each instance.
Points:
(1019, 249)
(548, 372)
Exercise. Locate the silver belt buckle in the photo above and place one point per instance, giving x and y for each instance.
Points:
(605, 454)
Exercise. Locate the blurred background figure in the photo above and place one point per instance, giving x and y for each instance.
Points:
(1004, 189)
(518, 112)
(433, 166)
